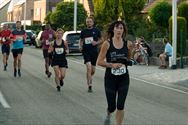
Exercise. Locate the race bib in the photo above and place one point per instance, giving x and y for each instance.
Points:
(47, 42)
(50, 36)
(59, 50)
(19, 38)
(119, 71)
(88, 40)
(3, 39)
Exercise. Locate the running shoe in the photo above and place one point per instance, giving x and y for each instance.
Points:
(49, 74)
(58, 88)
(61, 82)
(5, 68)
(19, 73)
(90, 89)
(15, 72)
(107, 120)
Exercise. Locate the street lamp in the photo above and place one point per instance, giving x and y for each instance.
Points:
(174, 32)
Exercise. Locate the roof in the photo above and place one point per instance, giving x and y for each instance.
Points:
(15, 3)
(4, 3)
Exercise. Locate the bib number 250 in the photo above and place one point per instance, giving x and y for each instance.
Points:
(119, 71)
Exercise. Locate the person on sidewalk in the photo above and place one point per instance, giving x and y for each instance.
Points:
(89, 41)
(116, 80)
(18, 37)
(47, 36)
(59, 62)
(5, 41)
(165, 55)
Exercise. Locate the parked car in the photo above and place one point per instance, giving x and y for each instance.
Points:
(73, 38)
(30, 37)
(11, 25)
(38, 41)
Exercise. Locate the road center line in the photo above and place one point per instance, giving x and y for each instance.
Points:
(138, 79)
(3, 101)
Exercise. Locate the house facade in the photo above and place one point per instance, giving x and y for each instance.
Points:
(3, 10)
(42, 7)
(15, 11)
(88, 5)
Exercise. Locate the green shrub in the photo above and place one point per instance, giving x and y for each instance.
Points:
(183, 11)
(181, 28)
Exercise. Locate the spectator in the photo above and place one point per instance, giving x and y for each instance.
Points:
(166, 54)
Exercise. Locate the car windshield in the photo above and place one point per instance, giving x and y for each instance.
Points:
(73, 37)
(29, 33)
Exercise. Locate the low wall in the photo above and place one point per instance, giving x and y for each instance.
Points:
(156, 61)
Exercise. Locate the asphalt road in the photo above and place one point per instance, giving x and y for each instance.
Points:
(33, 100)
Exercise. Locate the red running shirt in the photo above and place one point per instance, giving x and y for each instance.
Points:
(3, 35)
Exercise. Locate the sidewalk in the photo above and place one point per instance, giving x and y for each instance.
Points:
(165, 76)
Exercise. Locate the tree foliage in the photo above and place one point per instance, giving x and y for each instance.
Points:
(183, 11)
(64, 14)
(107, 11)
(47, 18)
(161, 13)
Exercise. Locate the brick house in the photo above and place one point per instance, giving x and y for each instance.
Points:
(16, 11)
(88, 5)
(42, 7)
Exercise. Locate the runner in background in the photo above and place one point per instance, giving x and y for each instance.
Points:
(47, 36)
(90, 39)
(59, 62)
(5, 42)
(18, 36)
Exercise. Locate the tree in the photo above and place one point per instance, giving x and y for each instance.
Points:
(106, 11)
(182, 11)
(47, 18)
(64, 14)
(161, 13)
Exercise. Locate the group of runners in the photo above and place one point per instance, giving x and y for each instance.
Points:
(115, 56)
(14, 41)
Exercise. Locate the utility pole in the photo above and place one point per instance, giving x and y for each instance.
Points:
(25, 14)
(174, 32)
(75, 14)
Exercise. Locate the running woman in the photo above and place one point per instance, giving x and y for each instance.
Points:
(18, 37)
(5, 41)
(115, 56)
(90, 39)
(47, 36)
(59, 61)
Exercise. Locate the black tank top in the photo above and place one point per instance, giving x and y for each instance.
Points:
(113, 54)
(59, 51)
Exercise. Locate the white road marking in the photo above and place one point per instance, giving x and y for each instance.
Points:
(3, 101)
(138, 79)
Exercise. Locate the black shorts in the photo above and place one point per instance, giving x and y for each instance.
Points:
(5, 48)
(60, 63)
(90, 57)
(46, 54)
(15, 52)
